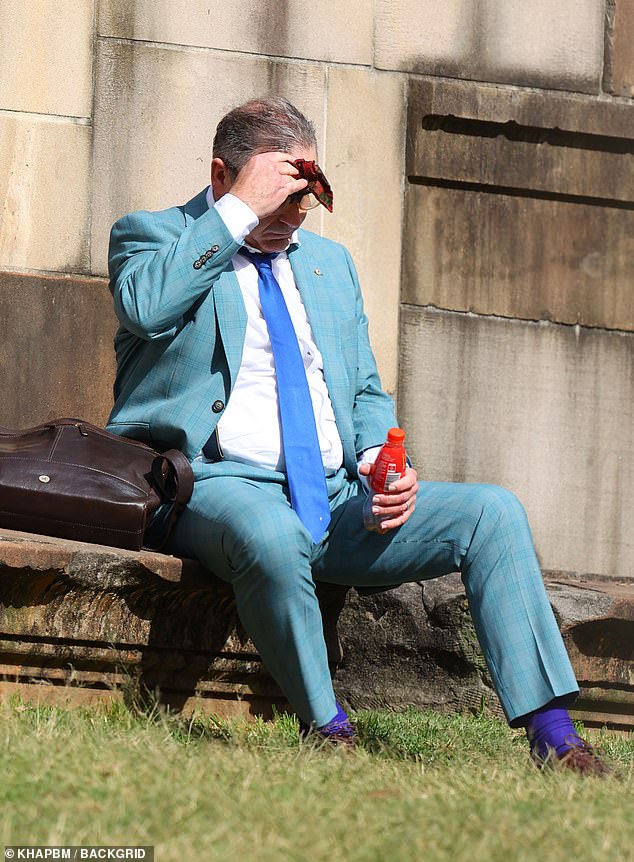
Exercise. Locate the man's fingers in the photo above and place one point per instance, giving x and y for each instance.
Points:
(392, 500)
(393, 523)
(266, 181)
(289, 168)
(406, 482)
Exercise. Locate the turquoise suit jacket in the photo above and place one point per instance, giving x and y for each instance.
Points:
(183, 321)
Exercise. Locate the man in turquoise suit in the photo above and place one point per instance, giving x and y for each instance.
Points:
(243, 342)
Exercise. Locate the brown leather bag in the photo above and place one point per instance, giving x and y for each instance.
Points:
(70, 479)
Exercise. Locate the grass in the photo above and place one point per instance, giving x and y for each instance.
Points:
(420, 786)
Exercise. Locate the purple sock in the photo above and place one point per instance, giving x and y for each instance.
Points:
(338, 726)
(551, 728)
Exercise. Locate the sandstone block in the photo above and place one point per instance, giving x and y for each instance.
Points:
(542, 409)
(46, 50)
(278, 30)
(44, 189)
(153, 140)
(519, 206)
(364, 162)
(543, 111)
(56, 349)
(509, 255)
(412, 646)
(557, 45)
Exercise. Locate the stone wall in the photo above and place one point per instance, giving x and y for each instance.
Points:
(514, 358)
(517, 322)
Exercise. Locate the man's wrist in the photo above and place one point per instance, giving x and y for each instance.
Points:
(238, 217)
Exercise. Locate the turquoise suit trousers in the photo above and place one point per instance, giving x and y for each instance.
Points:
(241, 527)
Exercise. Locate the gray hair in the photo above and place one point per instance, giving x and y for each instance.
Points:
(261, 126)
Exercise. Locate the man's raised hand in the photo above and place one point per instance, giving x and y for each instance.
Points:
(266, 181)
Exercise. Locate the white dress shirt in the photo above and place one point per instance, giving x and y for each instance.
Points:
(249, 429)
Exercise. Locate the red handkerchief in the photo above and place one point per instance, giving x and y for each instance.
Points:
(317, 182)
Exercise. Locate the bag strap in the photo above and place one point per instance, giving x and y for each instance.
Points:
(174, 479)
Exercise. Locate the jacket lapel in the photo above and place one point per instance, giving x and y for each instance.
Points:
(315, 286)
(231, 317)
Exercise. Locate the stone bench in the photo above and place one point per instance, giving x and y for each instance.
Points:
(81, 622)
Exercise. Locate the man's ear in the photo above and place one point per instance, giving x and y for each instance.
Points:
(220, 178)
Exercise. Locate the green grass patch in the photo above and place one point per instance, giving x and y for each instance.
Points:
(419, 786)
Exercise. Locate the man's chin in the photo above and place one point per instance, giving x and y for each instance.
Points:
(273, 244)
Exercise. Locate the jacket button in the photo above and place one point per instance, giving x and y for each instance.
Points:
(197, 264)
(218, 406)
(214, 249)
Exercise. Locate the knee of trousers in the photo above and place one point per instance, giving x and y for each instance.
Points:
(500, 509)
(275, 559)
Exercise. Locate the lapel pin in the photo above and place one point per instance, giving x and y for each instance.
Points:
(318, 271)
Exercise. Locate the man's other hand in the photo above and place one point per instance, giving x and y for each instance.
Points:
(397, 503)
(266, 181)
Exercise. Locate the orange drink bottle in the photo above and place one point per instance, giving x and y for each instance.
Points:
(390, 465)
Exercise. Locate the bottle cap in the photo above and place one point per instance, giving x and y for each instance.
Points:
(396, 436)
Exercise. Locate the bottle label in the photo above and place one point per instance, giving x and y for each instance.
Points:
(387, 470)
(392, 475)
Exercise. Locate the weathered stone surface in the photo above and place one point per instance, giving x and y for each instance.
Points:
(90, 618)
(362, 156)
(520, 207)
(570, 164)
(56, 352)
(542, 409)
(556, 44)
(596, 618)
(155, 114)
(566, 111)
(621, 49)
(412, 646)
(416, 645)
(247, 26)
(46, 50)
(44, 190)
(468, 250)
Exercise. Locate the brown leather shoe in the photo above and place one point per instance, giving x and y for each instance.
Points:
(584, 760)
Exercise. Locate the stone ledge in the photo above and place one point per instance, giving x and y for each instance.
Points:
(81, 622)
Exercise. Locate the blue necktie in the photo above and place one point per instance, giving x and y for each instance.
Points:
(304, 466)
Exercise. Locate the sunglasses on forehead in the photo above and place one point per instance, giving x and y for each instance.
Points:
(318, 190)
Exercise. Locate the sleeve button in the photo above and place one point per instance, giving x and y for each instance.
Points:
(214, 249)
(218, 406)
(197, 264)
